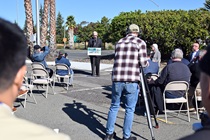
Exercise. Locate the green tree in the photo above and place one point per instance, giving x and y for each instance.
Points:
(59, 28)
(41, 11)
(103, 29)
(70, 23)
(207, 5)
(168, 28)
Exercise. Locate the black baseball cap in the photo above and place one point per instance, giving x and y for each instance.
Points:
(36, 47)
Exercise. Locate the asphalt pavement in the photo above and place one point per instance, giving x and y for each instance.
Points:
(81, 112)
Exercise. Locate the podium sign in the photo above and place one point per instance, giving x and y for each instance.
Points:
(94, 51)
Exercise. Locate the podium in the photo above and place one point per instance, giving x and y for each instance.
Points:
(93, 51)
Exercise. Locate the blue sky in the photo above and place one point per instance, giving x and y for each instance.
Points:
(94, 10)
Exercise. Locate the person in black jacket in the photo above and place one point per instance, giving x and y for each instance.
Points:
(195, 78)
(176, 71)
(95, 60)
(203, 132)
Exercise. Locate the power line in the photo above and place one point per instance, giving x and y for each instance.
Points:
(154, 3)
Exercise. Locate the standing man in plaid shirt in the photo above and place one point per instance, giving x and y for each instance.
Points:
(130, 52)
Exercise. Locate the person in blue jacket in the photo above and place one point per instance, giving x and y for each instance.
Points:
(63, 60)
(153, 67)
(40, 54)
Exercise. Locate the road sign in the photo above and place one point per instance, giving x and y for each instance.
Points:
(93, 51)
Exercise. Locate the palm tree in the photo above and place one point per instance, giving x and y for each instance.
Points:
(70, 23)
(29, 23)
(52, 25)
(44, 26)
(207, 5)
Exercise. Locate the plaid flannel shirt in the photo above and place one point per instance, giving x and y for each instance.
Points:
(129, 52)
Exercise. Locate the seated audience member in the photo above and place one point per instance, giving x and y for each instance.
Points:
(185, 61)
(153, 67)
(195, 78)
(176, 71)
(63, 60)
(204, 132)
(13, 43)
(40, 55)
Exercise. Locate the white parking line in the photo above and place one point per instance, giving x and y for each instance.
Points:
(86, 89)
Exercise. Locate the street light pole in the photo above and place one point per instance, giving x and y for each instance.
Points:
(37, 23)
(17, 10)
(64, 34)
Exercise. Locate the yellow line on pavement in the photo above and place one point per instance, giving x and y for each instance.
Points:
(163, 120)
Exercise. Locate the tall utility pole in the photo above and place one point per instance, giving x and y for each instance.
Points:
(37, 23)
(17, 11)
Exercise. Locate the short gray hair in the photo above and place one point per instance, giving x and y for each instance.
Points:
(177, 53)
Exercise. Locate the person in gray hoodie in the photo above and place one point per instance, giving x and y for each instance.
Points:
(157, 55)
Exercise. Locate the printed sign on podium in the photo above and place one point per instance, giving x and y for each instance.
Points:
(94, 51)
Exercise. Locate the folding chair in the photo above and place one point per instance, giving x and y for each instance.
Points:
(29, 87)
(24, 93)
(41, 76)
(176, 86)
(197, 96)
(65, 77)
(37, 65)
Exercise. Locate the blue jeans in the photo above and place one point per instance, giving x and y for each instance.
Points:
(131, 91)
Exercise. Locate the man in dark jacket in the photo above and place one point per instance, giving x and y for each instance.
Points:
(203, 133)
(95, 60)
(195, 78)
(195, 52)
(176, 71)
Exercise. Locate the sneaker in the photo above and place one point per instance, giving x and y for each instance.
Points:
(110, 136)
(130, 138)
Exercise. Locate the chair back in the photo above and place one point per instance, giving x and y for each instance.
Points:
(37, 65)
(60, 66)
(40, 72)
(177, 85)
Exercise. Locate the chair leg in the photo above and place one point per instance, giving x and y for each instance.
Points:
(53, 90)
(196, 107)
(47, 90)
(24, 105)
(165, 112)
(180, 109)
(188, 112)
(54, 85)
(67, 84)
(31, 93)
